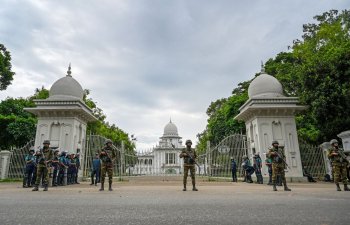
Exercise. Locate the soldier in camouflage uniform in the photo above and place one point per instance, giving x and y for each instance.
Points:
(339, 164)
(277, 156)
(189, 156)
(43, 166)
(108, 156)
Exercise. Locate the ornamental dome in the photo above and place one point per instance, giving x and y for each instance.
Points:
(170, 130)
(265, 86)
(66, 88)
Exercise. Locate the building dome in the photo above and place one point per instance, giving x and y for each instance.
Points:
(265, 86)
(66, 88)
(170, 130)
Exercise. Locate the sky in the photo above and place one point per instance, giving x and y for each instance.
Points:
(146, 61)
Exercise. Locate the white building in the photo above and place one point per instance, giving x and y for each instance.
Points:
(164, 158)
(268, 116)
(63, 117)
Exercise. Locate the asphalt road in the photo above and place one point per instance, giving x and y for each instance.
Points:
(158, 202)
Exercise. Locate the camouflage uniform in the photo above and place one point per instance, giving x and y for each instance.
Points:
(277, 156)
(108, 156)
(189, 156)
(43, 167)
(339, 164)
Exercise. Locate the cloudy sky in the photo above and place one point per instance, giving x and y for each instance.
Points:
(146, 61)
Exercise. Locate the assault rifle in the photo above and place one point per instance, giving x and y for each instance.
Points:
(195, 162)
(284, 161)
(342, 155)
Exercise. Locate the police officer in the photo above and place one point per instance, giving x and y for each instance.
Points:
(248, 169)
(43, 166)
(95, 171)
(189, 155)
(257, 164)
(29, 170)
(63, 165)
(339, 164)
(77, 165)
(234, 170)
(108, 156)
(268, 163)
(278, 164)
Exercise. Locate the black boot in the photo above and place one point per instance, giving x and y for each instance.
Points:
(346, 187)
(45, 188)
(338, 187)
(194, 186)
(36, 188)
(184, 189)
(92, 181)
(102, 186)
(286, 188)
(274, 187)
(110, 186)
(261, 179)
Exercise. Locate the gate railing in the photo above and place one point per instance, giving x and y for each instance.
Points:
(312, 158)
(17, 161)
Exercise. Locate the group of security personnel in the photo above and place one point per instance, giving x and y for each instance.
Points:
(42, 164)
(106, 157)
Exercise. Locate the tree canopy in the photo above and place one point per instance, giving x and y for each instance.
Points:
(316, 69)
(6, 75)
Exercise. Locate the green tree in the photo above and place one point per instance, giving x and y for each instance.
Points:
(6, 75)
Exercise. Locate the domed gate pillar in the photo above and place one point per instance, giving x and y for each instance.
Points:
(268, 116)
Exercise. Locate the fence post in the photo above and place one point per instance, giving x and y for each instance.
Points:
(122, 161)
(208, 159)
(5, 157)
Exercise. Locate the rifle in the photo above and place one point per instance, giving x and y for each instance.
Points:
(195, 162)
(342, 155)
(284, 161)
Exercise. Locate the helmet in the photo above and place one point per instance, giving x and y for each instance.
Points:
(333, 141)
(108, 141)
(31, 150)
(46, 142)
(188, 141)
(257, 154)
(244, 157)
(275, 142)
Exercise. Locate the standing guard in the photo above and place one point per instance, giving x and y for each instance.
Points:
(29, 170)
(44, 159)
(248, 169)
(234, 170)
(268, 163)
(277, 156)
(55, 165)
(108, 156)
(189, 156)
(96, 167)
(257, 164)
(339, 164)
(77, 166)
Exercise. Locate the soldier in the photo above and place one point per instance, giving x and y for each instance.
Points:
(278, 164)
(248, 169)
(77, 166)
(339, 163)
(257, 164)
(189, 156)
(43, 168)
(30, 166)
(55, 165)
(108, 156)
(96, 166)
(233, 170)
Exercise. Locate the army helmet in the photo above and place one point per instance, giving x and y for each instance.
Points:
(188, 141)
(274, 142)
(108, 141)
(46, 142)
(333, 141)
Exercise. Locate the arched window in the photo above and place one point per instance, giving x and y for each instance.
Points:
(150, 161)
(146, 161)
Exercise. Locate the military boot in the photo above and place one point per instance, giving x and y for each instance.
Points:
(346, 187)
(102, 186)
(338, 187)
(92, 181)
(110, 186)
(36, 188)
(274, 188)
(194, 186)
(45, 187)
(184, 189)
(286, 188)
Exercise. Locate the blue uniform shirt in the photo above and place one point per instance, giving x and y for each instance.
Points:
(96, 163)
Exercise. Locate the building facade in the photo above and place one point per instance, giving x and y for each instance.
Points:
(164, 158)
